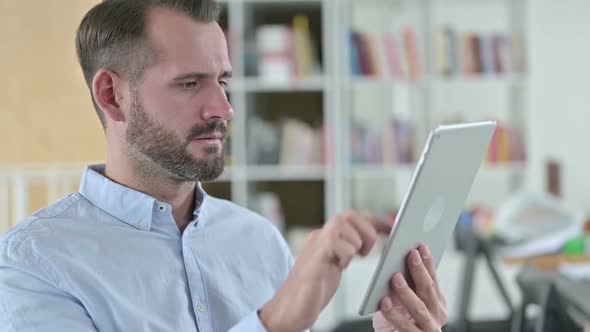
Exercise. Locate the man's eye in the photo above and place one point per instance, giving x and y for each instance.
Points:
(189, 85)
(224, 84)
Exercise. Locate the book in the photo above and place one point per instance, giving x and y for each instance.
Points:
(486, 54)
(363, 54)
(304, 55)
(393, 56)
(412, 53)
(441, 54)
(300, 144)
(452, 48)
(355, 61)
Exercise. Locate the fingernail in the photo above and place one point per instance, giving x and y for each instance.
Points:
(399, 280)
(415, 258)
(425, 251)
(386, 304)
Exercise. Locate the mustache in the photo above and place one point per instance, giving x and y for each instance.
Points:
(207, 128)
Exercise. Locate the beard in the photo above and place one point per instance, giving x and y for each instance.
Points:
(158, 151)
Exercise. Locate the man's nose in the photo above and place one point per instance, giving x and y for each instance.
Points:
(217, 105)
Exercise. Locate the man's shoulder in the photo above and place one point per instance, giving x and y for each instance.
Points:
(38, 227)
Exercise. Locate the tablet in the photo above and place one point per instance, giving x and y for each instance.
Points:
(431, 207)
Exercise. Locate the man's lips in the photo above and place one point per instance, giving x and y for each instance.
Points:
(215, 138)
(211, 137)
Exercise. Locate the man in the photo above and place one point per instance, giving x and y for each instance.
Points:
(141, 247)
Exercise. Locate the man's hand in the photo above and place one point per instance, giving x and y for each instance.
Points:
(316, 274)
(421, 310)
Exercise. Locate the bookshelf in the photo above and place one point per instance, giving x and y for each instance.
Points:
(336, 103)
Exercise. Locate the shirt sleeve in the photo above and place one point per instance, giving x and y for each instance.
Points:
(30, 302)
(250, 323)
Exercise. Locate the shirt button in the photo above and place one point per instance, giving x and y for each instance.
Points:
(161, 208)
(201, 307)
(143, 224)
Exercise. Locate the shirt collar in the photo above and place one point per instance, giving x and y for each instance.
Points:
(127, 205)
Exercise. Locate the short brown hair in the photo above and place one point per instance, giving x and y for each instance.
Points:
(111, 36)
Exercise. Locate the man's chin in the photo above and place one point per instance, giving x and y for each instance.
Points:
(201, 149)
(211, 170)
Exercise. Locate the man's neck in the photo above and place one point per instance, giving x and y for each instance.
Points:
(179, 194)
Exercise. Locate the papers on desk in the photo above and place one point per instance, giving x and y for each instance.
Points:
(535, 225)
(548, 244)
(576, 271)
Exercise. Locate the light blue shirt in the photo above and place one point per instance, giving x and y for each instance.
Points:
(109, 258)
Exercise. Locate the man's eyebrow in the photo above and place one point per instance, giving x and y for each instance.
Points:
(225, 74)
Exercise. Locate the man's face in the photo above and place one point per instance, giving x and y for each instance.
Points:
(179, 110)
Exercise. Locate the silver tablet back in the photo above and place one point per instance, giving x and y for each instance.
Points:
(442, 180)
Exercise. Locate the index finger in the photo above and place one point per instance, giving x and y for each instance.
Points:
(368, 228)
(382, 227)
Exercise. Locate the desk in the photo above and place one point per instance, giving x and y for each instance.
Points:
(574, 294)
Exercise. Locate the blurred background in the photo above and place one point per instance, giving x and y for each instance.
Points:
(334, 100)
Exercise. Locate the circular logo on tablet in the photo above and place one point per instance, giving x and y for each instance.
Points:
(434, 214)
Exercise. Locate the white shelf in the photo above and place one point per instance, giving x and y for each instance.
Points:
(367, 82)
(274, 173)
(378, 171)
(510, 168)
(317, 83)
(376, 82)
(285, 173)
(508, 79)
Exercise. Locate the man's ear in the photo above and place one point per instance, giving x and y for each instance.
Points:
(107, 90)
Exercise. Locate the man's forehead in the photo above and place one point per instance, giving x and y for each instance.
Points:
(188, 44)
(171, 29)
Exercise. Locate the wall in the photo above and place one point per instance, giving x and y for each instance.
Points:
(559, 108)
(45, 110)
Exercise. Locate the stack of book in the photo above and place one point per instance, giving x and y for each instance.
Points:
(392, 144)
(471, 54)
(284, 52)
(389, 55)
(299, 143)
(507, 145)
